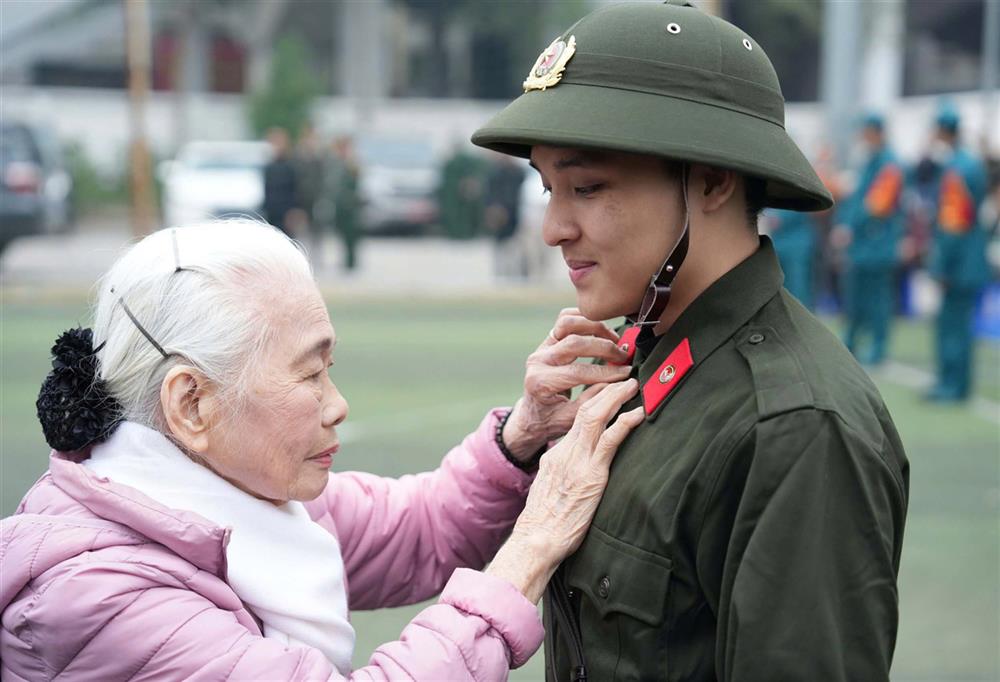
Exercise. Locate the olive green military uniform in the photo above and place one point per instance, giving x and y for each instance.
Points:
(340, 205)
(460, 195)
(752, 526)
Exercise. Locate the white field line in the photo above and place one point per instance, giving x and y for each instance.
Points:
(457, 412)
(920, 379)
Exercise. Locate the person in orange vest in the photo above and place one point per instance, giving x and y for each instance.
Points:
(958, 257)
(873, 226)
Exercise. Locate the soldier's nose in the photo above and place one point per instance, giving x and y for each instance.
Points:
(557, 227)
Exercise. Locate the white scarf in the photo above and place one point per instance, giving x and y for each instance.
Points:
(285, 567)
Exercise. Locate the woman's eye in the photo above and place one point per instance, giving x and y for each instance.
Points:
(546, 191)
(320, 373)
(588, 190)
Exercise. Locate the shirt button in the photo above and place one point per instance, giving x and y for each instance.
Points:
(604, 587)
(756, 338)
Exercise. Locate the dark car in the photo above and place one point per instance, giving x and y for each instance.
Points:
(35, 187)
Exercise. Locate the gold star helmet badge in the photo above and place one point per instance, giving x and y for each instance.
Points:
(549, 66)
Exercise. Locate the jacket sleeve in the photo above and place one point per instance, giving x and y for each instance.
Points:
(153, 628)
(402, 538)
(808, 589)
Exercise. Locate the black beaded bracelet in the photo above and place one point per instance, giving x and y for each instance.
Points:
(528, 465)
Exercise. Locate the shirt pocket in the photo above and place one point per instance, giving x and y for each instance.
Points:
(622, 591)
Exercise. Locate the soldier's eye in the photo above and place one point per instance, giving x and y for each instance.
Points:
(588, 190)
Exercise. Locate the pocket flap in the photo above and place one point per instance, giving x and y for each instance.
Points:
(620, 577)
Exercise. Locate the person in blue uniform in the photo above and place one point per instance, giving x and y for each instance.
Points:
(958, 258)
(794, 236)
(872, 228)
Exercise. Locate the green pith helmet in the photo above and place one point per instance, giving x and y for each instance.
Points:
(667, 80)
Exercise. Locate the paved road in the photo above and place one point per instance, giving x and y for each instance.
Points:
(430, 266)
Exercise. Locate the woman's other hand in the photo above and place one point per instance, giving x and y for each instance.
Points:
(545, 411)
(564, 497)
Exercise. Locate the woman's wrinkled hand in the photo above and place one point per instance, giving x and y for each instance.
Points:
(545, 411)
(564, 496)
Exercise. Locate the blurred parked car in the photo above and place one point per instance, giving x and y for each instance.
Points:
(36, 190)
(534, 202)
(398, 181)
(213, 179)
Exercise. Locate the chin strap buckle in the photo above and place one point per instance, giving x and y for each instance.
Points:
(661, 284)
(657, 296)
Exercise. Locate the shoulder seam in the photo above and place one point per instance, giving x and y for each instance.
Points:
(877, 449)
(835, 415)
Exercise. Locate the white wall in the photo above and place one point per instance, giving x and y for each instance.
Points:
(98, 119)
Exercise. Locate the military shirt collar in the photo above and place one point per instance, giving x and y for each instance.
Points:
(718, 313)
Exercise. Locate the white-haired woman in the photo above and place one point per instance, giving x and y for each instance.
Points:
(188, 526)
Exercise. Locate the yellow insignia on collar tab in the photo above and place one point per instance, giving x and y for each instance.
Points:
(549, 66)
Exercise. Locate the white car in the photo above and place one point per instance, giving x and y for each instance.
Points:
(214, 179)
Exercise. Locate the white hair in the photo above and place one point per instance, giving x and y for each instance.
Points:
(210, 314)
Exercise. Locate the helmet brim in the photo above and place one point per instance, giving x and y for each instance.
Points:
(590, 117)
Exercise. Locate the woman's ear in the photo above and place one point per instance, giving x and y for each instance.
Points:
(719, 184)
(189, 406)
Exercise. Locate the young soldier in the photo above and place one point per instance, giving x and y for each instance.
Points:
(958, 258)
(873, 226)
(751, 528)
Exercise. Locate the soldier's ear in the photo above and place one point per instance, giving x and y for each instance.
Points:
(718, 184)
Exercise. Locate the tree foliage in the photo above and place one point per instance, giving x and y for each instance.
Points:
(291, 89)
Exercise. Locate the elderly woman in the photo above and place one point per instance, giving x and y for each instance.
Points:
(188, 526)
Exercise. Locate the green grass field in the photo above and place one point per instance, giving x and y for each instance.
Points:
(418, 376)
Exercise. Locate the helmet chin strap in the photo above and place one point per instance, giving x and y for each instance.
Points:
(660, 284)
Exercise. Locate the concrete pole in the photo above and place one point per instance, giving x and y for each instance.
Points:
(842, 30)
(882, 71)
(138, 60)
(990, 83)
(363, 58)
(263, 23)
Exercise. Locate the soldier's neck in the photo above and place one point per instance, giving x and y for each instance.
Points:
(714, 251)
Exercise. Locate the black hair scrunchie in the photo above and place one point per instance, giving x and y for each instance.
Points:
(74, 406)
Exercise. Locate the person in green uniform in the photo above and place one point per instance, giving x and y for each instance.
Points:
(871, 231)
(308, 162)
(340, 201)
(460, 194)
(958, 259)
(794, 237)
(752, 525)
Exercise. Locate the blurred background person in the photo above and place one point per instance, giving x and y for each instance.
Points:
(958, 256)
(460, 193)
(919, 200)
(826, 283)
(280, 183)
(502, 215)
(794, 236)
(308, 164)
(872, 227)
(339, 206)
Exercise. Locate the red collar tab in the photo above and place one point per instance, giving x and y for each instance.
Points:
(627, 343)
(667, 376)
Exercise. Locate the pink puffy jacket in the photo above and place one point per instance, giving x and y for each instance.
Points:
(99, 582)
